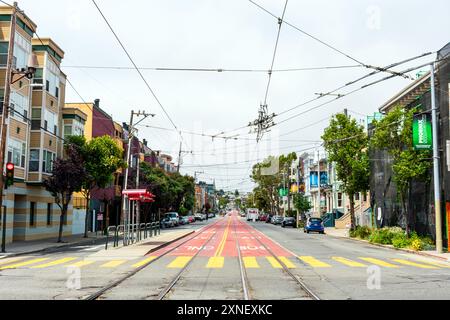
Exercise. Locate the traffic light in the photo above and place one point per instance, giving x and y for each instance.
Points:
(9, 181)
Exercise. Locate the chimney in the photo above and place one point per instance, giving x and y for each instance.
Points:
(144, 142)
(97, 103)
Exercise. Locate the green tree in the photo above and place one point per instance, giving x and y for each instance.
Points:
(393, 133)
(101, 157)
(302, 204)
(347, 146)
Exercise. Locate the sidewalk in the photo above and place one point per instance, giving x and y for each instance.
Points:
(344, 233)
(28, 247)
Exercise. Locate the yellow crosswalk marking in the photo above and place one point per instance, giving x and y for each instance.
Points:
(53, 263)
(22, 264)
(179, 262)
(313, 262)
(141, 263)
(215, 262)
(414, 264)
(10, 260)
(288, 263)
(434, 263)
(250, 262)
(379, 262)
(348, 262)
(82, 263)
(275, 264)
(112, 263)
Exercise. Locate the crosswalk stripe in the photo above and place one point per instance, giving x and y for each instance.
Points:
(22, 264)
(53, 263)
(348, 262)
(434, 263)
(275, 264)
(141, 263)
(288, 263)
(82, 263)
(215, 262)
(10, 260)
(250, 262)
(379, 262)
(112, 264)
(414, 264)
(313, 262)
(179, 262)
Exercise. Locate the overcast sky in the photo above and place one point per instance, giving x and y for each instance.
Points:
(235, 34)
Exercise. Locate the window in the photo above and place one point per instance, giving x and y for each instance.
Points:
(357, 196)
(36, 118)
(67, 130)
(3, 53)
(364, 197)
(51, 122)
(47, 161)
(34, 160)
(52, 78)
(339, 200)
(32, 213)
(38, 78)
(49, 214)
(22, 51)
(19, 106)
(16, 152)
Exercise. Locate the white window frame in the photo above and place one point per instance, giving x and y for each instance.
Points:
(18, 150)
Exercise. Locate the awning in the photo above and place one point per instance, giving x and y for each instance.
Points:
(139, 195)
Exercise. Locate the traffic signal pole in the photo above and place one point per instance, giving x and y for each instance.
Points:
(6, 99)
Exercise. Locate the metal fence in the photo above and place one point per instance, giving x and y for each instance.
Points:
(133, 234)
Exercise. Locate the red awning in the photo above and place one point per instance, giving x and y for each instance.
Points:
(139, 195)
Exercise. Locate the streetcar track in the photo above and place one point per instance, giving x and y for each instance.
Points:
(243, 271)
(96, 295)
(304, 287)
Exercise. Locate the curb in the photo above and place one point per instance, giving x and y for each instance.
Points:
(169, 242)
(93, 240)
(392, 248)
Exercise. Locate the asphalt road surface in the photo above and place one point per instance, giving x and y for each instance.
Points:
(230, 258)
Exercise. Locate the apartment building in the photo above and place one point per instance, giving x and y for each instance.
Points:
(32, 145)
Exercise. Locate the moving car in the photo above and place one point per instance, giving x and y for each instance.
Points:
(277, 220)
(314, 225)
(288, 221)
(174, 217)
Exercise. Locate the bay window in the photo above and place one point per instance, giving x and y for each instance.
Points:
(22, 51)
(34, 160)
(19, 106)
(47, 161)
(16, 152)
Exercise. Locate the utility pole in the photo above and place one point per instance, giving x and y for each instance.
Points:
(179, 155)
(437, 185)
(6, 99)
(318, 180)
(125, 202)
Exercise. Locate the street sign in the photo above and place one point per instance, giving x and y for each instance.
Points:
(422, 135)
(283, 192)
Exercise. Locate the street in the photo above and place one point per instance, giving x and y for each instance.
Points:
(229, 258)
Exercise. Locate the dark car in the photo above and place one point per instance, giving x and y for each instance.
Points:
(269, 218)
(314, 225)
(277, 220)
(288, 221)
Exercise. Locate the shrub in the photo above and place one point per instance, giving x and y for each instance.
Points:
(361, 232)
(416, 244)
(400, 240)
(384, 235)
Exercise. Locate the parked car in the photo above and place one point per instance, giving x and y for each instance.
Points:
(288, 221)
(263, 217)
(191, 218)
(199, 217)
(269, 218)
(211, 215)
(184, 220)
(314, 225)
(277, 220)
(174, 217)
(166, 222)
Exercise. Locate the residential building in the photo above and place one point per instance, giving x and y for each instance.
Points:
(32, 145)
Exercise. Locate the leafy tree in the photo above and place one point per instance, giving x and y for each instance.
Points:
(346, 144)
(393, 133)
(67, 177)
(302, 204)
(101, 158)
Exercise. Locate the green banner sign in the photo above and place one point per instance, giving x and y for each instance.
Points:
(283, 192)
(422, 133)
